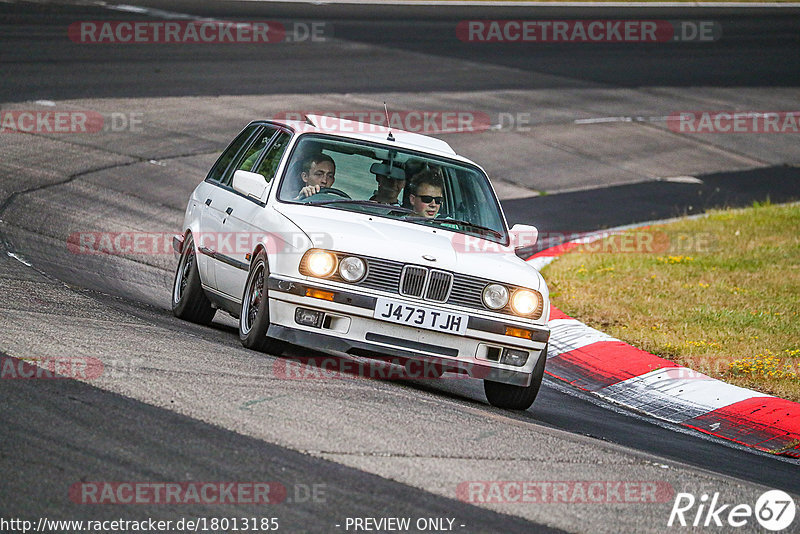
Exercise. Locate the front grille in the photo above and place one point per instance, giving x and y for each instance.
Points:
(382, 275)
(421, 282)
(427, 284)
(412, 281)
(439, 284)
(467, 291)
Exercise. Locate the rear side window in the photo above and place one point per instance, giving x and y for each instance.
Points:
(224, 161)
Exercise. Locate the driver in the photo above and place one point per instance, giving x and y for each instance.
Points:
(319, 171)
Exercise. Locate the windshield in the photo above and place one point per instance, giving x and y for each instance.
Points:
(395, 183)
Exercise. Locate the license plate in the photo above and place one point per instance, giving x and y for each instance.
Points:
(420, 317)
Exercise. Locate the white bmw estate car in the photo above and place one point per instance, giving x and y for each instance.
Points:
(353, 238)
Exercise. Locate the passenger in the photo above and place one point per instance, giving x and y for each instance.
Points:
(319, 171)
(426, 193)
(389, 185)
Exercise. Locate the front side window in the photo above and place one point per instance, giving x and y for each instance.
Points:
(394, 183)
(268, 164)
(229, 155)
(250, 157)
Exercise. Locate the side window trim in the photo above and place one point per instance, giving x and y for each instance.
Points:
(247, 142)
(257, 127)
(237, 160)
(243, 150)
(269, 148)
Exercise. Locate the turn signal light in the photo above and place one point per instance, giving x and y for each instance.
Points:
(319, 294)
(519, 332)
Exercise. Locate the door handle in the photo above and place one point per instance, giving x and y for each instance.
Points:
(208, 202)
(229, 210)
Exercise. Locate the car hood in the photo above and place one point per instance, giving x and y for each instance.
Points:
(368, 235)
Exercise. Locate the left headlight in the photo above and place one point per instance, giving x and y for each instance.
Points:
(495, 296)
(320, 263)
(352, 269)
(525, 302)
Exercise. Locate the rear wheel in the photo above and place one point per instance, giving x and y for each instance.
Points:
(254, 319)
(189, 301)
(512, 397)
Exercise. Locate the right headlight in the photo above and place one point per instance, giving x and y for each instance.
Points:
(352, 269)
(525, 302)
(495, 296)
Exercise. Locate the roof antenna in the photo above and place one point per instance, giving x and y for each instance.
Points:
(390, 137)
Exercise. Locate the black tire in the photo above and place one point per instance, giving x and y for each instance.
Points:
(254, 319)
(189, 301)
(511, 397)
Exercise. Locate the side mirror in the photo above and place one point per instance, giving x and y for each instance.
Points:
(250, 184)
(523, 236)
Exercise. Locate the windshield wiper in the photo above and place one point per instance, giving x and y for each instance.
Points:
(399, 210)
(481, 229)
(344, 201)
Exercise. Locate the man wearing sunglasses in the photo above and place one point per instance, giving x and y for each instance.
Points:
(427, 194)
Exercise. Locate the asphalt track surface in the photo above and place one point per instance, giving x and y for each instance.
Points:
(181, 402)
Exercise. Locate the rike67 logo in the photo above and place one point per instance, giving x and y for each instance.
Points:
(774, 510)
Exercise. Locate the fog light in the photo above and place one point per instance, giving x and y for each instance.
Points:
(308, 317)
(514, 357)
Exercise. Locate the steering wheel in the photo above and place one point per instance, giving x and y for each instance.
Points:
(330, 191)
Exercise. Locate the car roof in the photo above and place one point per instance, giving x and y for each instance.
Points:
(371, 132)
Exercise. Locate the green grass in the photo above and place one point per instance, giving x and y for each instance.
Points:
(719, 294)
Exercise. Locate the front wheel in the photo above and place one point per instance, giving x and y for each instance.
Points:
(189, 301)
(254, 319)
(512, 397)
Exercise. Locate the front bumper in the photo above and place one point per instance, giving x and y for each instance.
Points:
(351, 328)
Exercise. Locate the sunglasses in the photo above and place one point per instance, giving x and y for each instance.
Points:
(427, 199)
